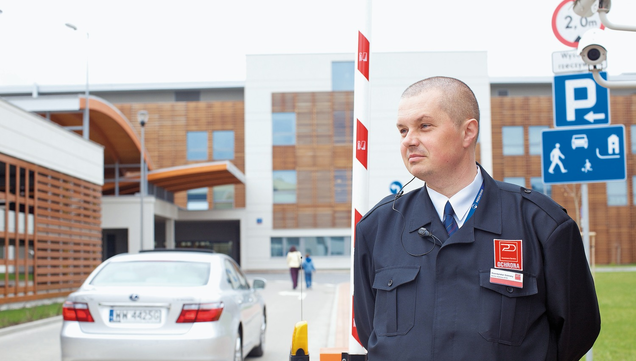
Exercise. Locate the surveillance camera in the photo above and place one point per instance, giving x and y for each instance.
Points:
(585, 8)
(590, 49)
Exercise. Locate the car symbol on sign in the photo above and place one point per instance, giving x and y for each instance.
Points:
(579, 140)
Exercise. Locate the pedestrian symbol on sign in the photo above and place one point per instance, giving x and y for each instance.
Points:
(555, 158)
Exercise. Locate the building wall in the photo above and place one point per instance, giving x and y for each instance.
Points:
(50, 232)
(167, 128)
(614, 240)
(302, 83)
(31, 138)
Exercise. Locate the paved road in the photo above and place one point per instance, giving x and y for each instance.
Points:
(40, 342)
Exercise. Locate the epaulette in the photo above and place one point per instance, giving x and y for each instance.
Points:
(547, 204)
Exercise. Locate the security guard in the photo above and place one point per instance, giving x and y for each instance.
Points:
(510, 282)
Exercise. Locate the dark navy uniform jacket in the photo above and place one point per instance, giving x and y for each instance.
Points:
(442, 306)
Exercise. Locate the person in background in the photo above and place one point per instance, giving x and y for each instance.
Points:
(294, 260)
(308, 268)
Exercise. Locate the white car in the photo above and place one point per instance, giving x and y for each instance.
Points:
(165, 305)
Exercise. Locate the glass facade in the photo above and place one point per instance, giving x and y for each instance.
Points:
(520, 181)
(512, 139)
(198, 199)
(315, 246)
(284, 186)
(534, 133)
(284, 128)
(197, 145)
(617, 193)
(342, 186)
(223, 196)
(223, 145)
(342, 75)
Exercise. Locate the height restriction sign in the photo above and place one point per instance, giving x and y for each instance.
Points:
(569, 27)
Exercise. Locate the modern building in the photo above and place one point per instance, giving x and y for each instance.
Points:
(252, 168)
(50, 207)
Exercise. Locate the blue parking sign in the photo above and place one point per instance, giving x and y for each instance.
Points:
(580, 101)
(583, 155)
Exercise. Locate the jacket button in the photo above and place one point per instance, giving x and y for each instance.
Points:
(390, 283)
(510, 289)
(527, 191)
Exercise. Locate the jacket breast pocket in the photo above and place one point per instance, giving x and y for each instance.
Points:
(505, 310)
(396, 293)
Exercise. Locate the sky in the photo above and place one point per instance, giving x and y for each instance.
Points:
(158, 41)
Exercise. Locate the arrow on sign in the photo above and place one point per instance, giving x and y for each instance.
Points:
(591, 116)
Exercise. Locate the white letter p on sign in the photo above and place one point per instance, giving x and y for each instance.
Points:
(571, 104)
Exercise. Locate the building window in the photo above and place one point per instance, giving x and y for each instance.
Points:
(223, 144)
(198, 199)
(617, 193)
(342, 75)
(284, 128)
(512, 138)
(520, 181)
(342, 127)
(535, 138)
(315, 246)
(223, 196)
(342, 185)
(197, 145)
(537, 185)
(633, 138)
(284, 186)
(503, 92)
(187, 96)
(634, 190)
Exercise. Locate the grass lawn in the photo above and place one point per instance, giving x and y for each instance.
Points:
(616, 293)
(12, 277)
(22, 315)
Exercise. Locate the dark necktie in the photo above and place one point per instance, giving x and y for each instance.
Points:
(449, 220)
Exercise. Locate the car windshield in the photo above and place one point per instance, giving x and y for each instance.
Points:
(153, 273)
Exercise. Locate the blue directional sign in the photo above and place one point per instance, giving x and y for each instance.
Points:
(583, 155)
(580, 101)
(395, 187)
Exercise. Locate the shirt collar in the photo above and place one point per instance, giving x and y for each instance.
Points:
(461, 201)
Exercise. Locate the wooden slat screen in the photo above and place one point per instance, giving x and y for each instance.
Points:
(324, 140)
(50, 232)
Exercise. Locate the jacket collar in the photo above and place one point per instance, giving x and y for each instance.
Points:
(487, 217)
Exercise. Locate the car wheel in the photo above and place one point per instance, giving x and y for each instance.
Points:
(238, 347)
(259, 350)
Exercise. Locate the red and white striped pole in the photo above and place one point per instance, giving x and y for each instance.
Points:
(360, 172)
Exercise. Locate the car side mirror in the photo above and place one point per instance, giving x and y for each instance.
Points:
(259, 283)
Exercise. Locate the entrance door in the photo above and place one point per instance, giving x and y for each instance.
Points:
(114, 241)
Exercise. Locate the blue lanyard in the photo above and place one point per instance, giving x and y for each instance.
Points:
(473, 208)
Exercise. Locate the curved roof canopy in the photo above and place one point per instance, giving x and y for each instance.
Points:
(122, 146)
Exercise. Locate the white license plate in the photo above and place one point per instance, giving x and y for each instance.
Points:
(134, 316)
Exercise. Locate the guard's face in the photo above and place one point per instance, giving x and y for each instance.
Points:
(431, 144)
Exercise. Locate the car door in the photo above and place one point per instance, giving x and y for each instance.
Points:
(248, 303)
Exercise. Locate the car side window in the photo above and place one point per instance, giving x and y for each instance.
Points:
(244, 284)
(232, 277)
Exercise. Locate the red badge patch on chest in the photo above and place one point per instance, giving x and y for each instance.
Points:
(508, 254)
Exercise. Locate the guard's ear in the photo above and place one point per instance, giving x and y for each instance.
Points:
(471, 131)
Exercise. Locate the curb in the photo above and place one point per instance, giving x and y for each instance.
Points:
(29, 325)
